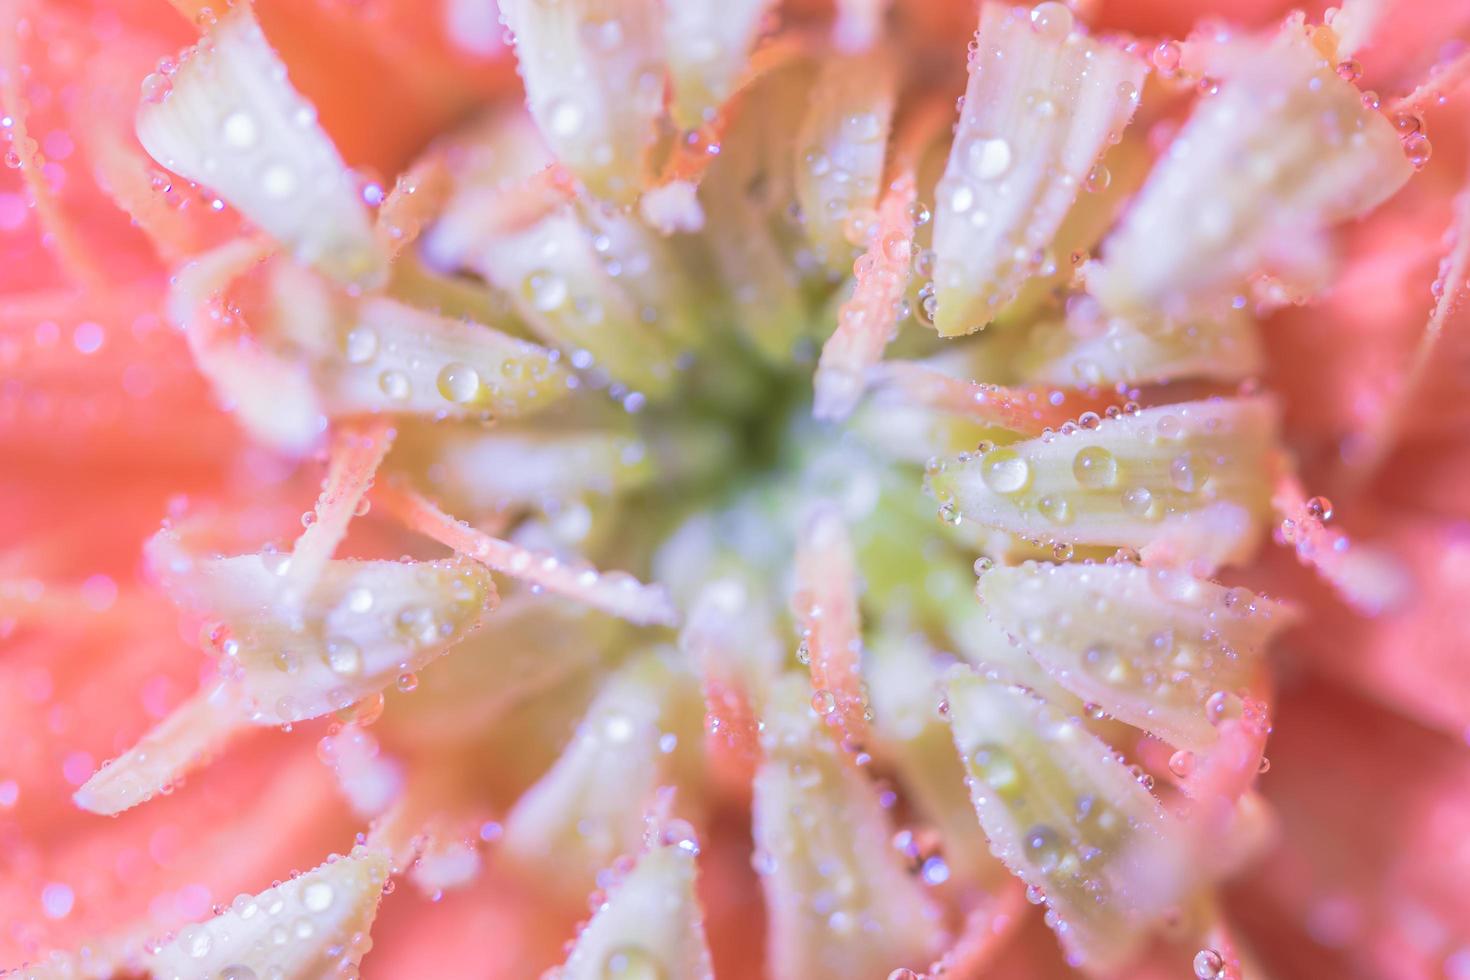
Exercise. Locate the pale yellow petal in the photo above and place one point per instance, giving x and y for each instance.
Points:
(1066, 816)
(1179, 482)
(1151, 647)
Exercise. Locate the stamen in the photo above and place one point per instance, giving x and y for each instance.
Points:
(1029, 410)
(825, 606)
(614, 592)
(355, 456)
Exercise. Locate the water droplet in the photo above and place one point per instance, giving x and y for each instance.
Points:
(1138, 502)
(1098, 179)
(1095, 468)
(278, 181)
(239, 130)
(1005, 471)
(1043, 848)
(1051, 20)
(344, 657)
(395, 385)
(1166, 57)
(989, 158)
(1320, 508)
(459, 383)
(1181, 763)
(1208, 964)
(631, 963)
(547, 291)
(317, 896)
(361, 344)
(1417, 150)
(564, 117)
(994, 765)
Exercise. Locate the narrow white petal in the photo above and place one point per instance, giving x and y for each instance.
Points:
(314, 927)
(232, 122)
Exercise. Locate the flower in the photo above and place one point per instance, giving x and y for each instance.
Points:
(622, 630)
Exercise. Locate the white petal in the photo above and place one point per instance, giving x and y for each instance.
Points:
(363, 625)
(1181, 482)
(1150, 646)
(594, 74)
(1281, 152)
(589, 808)
(1066, 816)
(233, 122)
(838, 901)
(314, 927)
(708, 43)
(183, 741)
(650, 926)
(840, 152)
(1042, 103)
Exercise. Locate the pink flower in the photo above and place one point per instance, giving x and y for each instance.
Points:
(620, 632)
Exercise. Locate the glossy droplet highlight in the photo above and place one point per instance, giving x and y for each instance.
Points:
(1005, 471)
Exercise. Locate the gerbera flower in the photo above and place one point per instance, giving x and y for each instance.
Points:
(733, 490)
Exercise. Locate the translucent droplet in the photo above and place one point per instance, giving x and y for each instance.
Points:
(564, 117)
(1098, 179)
(1005, 471)
(631, 963)
(395, 385)
(546, 290)
(344, 657)
(317, 896)
(999, 770)
(1051, 20)
(1208, 964)
(989, 158)
(1095, 468)
(1138, 501)
(459, 383)
(239, 130)
(361, 344)
(1043, 848)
